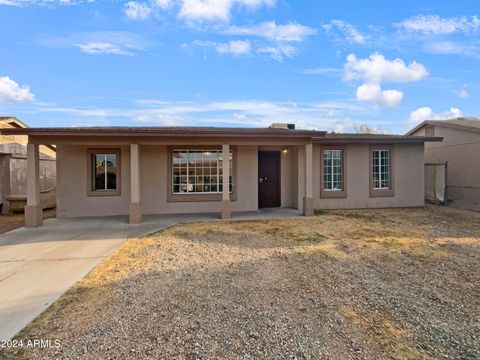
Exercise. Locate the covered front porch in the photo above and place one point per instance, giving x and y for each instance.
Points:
(147, 187)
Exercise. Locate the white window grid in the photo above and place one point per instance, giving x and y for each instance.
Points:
(381, 169)
(199, 171)
(333, 170)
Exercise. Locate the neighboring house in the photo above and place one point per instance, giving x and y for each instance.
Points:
(13, 166)
(461, 148)
(104, 171)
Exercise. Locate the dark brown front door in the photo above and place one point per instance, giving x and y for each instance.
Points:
(268, 179)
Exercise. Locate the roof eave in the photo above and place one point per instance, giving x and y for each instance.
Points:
(160, 132)
(443, 124)
(416, 128)
(412, 140)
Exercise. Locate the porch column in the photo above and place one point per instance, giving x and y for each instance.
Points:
(33, 210)
(308, 199)
(135, 205)
(226, 212)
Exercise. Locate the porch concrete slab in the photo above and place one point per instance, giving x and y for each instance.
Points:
(37, 265)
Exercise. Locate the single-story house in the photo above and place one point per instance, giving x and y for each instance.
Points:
(13, 169)
(103, 171)
(461, 149)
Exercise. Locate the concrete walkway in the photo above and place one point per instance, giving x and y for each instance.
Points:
(38, 265)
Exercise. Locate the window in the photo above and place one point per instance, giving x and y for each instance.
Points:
(333, 172)
(381, 169)
(199, 172)
(104, 172)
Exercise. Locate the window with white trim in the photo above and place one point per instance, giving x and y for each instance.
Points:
(333, 170)
(104, 172)
(381, 169)
(199, 171)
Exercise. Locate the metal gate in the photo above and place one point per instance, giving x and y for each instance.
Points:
(436, 188)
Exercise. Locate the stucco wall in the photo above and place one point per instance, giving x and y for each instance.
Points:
(72, 199)
(461, 149)
(72, 181)
(72, 184)
(408, 171)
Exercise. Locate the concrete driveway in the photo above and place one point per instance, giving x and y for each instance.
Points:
(38, 265)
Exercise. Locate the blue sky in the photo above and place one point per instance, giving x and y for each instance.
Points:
(331, 65)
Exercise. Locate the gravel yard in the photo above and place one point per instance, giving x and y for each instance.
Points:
(373, 284)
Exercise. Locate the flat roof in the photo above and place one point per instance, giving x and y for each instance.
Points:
(196, 132)
(163, 131)
(340, 138)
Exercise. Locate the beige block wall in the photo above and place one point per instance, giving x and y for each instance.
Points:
(18, 175)
(408, 179)
(72, 199)
(462, 151)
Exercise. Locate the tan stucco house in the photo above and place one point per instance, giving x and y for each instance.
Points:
(13, 169)
(104, 171)
(461, 149)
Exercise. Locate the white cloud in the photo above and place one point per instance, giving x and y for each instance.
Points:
(142, 10)
(279, 52)
(236, 48)
(348, 31)
(137, 11)
(11, 91)
(377, 69)
(435, 25)
(382, 98)
(320, 71)
(102, 48)
(291, 32)
(10, 3)
(50, 3)
(426, 113)
(210, 10)
(326, 115)
(97, 42)
(462, 93)
(163, 4)
(448, 47)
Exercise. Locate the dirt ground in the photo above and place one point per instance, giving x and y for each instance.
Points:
(366, 284)
(13, 221)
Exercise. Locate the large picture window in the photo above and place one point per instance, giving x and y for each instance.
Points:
(381, 169)
(104, 172)
(333, 172)
(199, 171)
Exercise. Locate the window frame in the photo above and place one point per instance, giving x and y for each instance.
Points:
(332, 193)
(90, 153)
(192, 196)
(382, 192)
